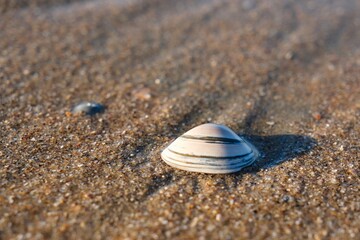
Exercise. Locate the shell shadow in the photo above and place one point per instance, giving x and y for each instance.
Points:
(276, 149)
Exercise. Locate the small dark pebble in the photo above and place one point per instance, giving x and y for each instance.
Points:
(88, 108)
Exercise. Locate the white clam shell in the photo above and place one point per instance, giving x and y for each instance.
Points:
(210, 148)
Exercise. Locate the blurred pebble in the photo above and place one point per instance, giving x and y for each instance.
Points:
(316, 116)
(26, 72)
(88, 108)
(142, 94)
(248, 4)
(270, 123)
(289, 56)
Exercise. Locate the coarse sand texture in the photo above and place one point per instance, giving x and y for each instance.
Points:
(282, 75)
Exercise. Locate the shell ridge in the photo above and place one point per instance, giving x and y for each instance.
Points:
(204, 160)
(242, 161)
(224, 167)
(212, 139)
(212, 157)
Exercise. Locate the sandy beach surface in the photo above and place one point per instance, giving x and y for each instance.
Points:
(285, 75)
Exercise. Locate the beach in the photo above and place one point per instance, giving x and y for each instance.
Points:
(284, 75)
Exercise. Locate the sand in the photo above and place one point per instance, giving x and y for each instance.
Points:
(285, 75)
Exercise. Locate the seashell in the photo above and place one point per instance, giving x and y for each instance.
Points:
(210, 148)
(88, 108)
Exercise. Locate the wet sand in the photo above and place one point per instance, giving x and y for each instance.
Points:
(284, 75)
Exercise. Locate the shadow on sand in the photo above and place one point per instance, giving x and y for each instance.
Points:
(277, 149)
